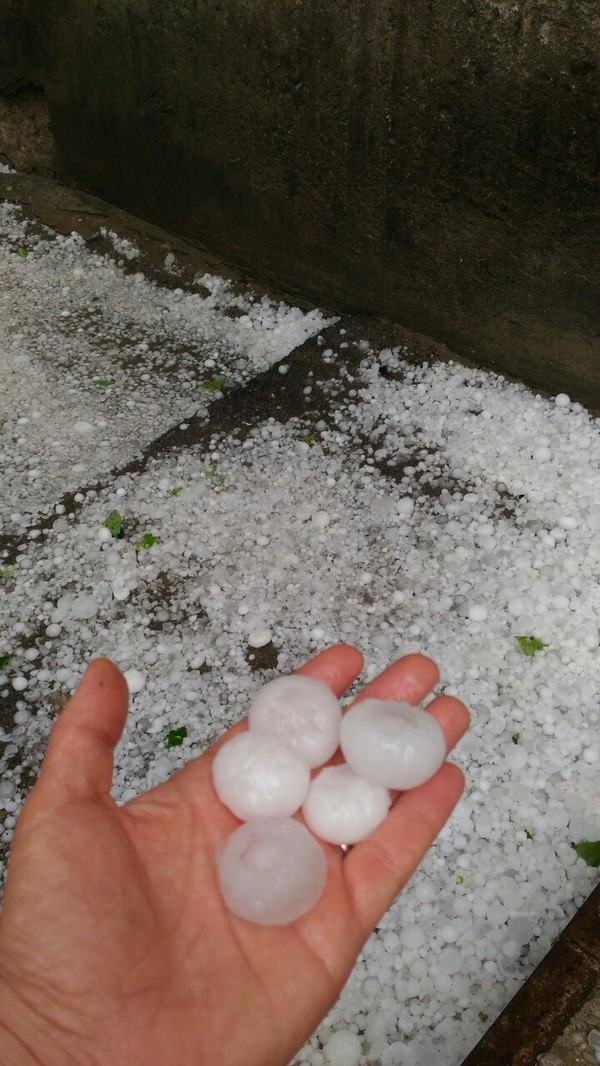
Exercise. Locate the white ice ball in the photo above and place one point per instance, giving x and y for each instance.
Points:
(392, 744)
(302, 710)
(260, 776)
(342, 807)
(135, 680)
(271, 871)
(343, 1048)
(259, 637)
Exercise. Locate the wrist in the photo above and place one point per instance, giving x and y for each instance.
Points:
(13, 1050)
(22, 1040)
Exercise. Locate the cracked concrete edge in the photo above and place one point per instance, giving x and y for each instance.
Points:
(65, 209)
(548, 1007)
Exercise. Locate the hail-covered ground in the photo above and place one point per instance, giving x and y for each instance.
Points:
(410, 507)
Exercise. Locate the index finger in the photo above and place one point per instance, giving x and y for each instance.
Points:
(407, 680)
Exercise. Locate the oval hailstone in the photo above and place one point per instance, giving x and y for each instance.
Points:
(392, 744)
(342, 807)
(260, 777)
(301, 710)
(135, 680)
(271, 871)
(84, 606)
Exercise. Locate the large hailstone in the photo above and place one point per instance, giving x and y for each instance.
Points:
(342, 807)
(271, 871)
(392, 744)
(260, 776)
(302, 710)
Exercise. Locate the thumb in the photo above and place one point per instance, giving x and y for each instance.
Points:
(78, 764)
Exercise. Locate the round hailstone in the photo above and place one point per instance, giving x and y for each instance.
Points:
(302, 710)
(343, 1048)
(392, 744)
(343, 808)
(135, 680)
(271, 871)
(259, 638)
(260, 777)
(84, 606)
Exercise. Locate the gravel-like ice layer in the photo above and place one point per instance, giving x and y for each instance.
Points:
(439, 510)
(97, 362)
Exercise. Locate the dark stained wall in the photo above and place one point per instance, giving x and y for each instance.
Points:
(433, 161)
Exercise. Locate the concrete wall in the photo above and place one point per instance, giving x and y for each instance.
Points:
(433, 161)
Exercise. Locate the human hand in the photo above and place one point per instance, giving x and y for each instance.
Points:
(115, 944)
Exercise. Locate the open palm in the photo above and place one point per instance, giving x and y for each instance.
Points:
(115, 944)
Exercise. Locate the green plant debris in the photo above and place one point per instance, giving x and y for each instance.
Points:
(176, 490)
(214, 474)
(308, 439)
(214, 385)
(529, 645)
(145, 542)
(7, 571)
(460, 880)
(22, 253)
(114, 523)
(515, 738)
(528, 834)
(4, 661)
(589, 851)
(176, 737)
(103, 383)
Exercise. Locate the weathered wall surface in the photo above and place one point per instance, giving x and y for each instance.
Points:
(437, 163)
(20, 61)
(26, 141)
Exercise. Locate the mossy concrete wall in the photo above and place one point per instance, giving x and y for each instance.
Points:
(434, 162)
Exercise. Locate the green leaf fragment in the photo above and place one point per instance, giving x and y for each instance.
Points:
(529, 645)
(589, 851)
(146, 541)
(176, 491)
(308, 439)
(22, 253)
(528, 834)
(515, 738)
(212, 472)
(176, 737)
(460, 880)
(215, 385)
(4, 661)
(114, 523)
(7, 571)
(103, 383)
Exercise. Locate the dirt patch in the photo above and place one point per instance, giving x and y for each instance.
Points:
(26, 139)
